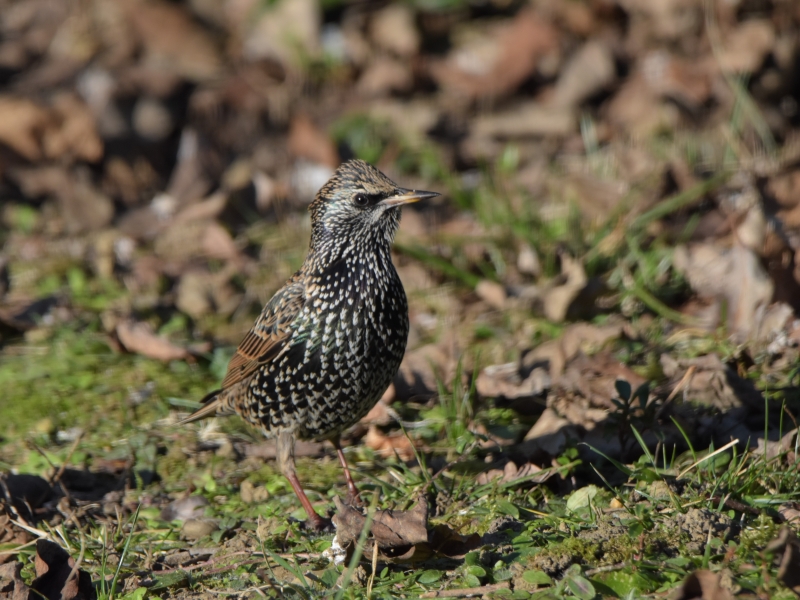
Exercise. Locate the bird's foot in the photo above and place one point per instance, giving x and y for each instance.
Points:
(353, 499)
(318, 525)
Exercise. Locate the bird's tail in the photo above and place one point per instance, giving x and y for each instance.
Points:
(213, 404)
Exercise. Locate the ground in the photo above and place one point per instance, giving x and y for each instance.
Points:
(599, 395)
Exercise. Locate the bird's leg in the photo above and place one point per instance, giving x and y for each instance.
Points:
(353, 498)
(285, 457)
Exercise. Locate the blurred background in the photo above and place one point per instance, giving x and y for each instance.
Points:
(611, 272)
(616, 175)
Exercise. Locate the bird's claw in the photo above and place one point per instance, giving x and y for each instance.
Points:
(319, 525)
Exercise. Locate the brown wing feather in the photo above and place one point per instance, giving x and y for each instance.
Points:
(266, 339)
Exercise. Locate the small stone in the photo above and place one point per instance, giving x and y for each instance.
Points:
(194, 529)
(185, 509)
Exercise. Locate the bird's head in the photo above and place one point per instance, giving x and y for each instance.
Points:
(358, 205)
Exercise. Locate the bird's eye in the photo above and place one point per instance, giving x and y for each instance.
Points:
(361, 199)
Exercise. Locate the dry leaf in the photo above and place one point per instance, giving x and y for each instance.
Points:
(22, 126)
(9, 536)
(393, 29)
(308, 141)
(494, 294)
(173, 41)
(789, 512)
(12, 587)
(511, 473)
(703, 585)
(734, 276)
(711, 382)
(268, 450)
(53, 569)
(140, 338)
(746, 47)
(589, 71)
(401, 536)
(387, 445)
(73, 132)
(557, 300)
(496, 65)
(505, 382)
(448, 543)
(787, 546)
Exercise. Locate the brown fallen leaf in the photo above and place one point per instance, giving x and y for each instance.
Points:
(513, 473)
(22, 126)
(56, 577)
(139, 338)
(589, 71)
(785, 446)
(25, 491)
(173, 42)
(394, 29)
(388, 445)
(595, 377)
(733, 276)
(269, 450)
(441, 541)
(380, 414)
(11, 585)
(787, 546)
(579, 337)
(703, 585)
(495, 66)
(422, 368)
(746, 47)
(74, 133)
(789, 512)
(449, 543)
(308, 141)
(401, 536)
(10, 536)
(505, 383)
(712, 382)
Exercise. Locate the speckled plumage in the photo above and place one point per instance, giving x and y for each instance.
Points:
(329, 342)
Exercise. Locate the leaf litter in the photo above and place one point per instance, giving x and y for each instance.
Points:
(606, 297)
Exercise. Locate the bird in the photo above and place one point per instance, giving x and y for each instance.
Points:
(330, 341)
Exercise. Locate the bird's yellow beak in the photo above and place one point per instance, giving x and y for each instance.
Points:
(403, 196)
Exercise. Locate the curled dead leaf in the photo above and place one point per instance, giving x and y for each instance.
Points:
(387, 445)
(510, 472)
(22, 125)
(703, 585)
(497, 64)
(139, 338)
(12, 586)
(56, 578)
(401, 536)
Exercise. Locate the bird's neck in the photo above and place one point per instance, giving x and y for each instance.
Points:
(370, 247)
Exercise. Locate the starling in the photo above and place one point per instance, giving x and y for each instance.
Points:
(330, 341)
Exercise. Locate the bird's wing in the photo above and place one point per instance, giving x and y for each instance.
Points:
(269, 335)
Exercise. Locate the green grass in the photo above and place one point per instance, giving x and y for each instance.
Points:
(598, 528)
(621, 540)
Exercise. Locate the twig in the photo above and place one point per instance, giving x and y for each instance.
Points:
(34, 531)
(467, 592)
(705, 458)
